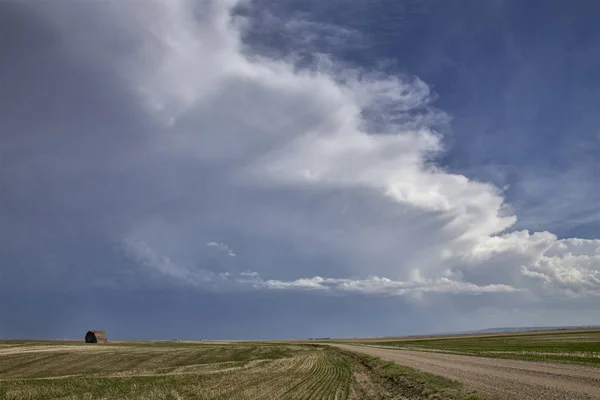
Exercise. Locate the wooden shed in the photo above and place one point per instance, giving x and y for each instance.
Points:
(95, 337)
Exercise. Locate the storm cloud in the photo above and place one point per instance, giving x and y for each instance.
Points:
(141, 145)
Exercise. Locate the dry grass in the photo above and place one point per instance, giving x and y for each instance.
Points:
(172, 371)
(163, 370)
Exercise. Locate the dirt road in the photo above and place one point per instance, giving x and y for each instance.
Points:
(498, 379)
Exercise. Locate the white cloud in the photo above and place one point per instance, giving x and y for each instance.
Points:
(222, 247)
(572, 265)
(143, 255)
(326, 139)
(384, 286)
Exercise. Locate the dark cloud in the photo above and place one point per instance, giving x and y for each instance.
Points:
(133, 137)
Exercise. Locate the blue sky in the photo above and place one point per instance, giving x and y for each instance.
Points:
(267, 169)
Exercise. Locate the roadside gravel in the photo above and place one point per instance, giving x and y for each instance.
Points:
(499, 379)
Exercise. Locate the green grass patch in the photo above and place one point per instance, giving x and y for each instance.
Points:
(572, 346)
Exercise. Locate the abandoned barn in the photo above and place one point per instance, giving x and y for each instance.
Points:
(95, 337)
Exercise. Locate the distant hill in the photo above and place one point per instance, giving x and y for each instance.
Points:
(532, 328)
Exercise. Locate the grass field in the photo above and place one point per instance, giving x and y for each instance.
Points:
(562, 346)
(164, 370)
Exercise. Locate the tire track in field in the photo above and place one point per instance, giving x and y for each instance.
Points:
(499, 379)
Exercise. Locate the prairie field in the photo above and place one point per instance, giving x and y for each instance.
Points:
(573, 346)
(172, 370)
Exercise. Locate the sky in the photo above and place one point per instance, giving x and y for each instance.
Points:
(259, 169)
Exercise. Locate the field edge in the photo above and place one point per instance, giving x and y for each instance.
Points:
(407, 381)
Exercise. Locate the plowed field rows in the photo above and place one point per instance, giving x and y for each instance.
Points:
(177, 371)
(192, 371)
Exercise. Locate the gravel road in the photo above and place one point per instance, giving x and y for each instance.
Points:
(499, 379)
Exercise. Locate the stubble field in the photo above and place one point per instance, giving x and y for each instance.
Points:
(171, 370)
